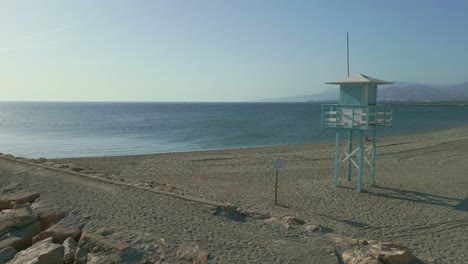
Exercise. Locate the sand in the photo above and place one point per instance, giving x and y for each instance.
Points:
(420, 199)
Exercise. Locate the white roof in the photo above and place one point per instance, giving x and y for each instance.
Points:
(360, 78)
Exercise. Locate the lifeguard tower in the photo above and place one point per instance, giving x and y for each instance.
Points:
(357, 112)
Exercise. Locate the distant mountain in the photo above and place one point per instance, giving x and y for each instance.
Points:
(420, 92)
(399, 91)
(330, 94)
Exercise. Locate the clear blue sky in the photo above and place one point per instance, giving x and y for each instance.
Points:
(211, 50)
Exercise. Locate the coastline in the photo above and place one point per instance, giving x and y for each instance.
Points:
(420, 199)
(420, 179)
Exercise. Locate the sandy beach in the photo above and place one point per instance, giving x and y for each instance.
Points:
(420, 199)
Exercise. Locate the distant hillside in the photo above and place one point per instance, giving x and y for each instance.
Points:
(396, 92)
(419, 92)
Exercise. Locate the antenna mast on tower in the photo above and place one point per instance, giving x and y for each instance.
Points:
(347, 50)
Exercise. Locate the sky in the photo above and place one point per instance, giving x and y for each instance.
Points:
(222, 50)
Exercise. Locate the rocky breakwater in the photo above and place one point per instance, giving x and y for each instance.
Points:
(34, 232)
(355, 251)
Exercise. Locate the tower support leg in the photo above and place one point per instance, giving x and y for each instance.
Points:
(374, 149)
(361, 160)
(350, 149)
(337, 157)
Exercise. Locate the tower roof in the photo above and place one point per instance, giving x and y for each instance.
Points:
(360, 78)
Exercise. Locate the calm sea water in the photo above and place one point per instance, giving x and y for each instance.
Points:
(53, 130)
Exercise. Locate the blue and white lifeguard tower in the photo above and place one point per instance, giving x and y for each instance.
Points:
(357, 112)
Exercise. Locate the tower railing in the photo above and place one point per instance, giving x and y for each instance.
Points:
(356, 116)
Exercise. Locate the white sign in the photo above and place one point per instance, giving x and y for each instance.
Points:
(278, 164)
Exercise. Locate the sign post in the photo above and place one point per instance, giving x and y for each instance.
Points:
(278, 165)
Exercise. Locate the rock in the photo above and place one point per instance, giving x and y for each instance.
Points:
(358, 257)
(23, 215)
(193, 253)
(8, 200)
(107, 240)
(254, 215)
(76, 169)
(61, 166)
(7, 217)
(356, 251)
(47, 215)
(20, 238)
(7, 254)
(50, 217)
(103, 259)
(69, 246)
(44, 252)
(394, 256)
(286, 221)
(162, 249)
(58, 233)
(81, 256)
(229, 211)
(20, 216)
(11, 187)
(313, 228)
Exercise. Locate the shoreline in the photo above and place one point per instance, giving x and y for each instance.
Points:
(384, 138)
(420, 198)
(419, 190)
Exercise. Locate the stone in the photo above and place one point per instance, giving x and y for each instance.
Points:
(61, 166)
(394, 256)
(286, 221)
(69, 246)
(76, 169)
(356, 251)
(193, 253)
(11, 187)
(23, 215)
(49, 216)
(7, 254)
(20, 238)
(19, 216)
(107, 240)
(313, 228)
(162, 249)
(254, 215)
(44, 252)
(103, 259)
(8, 200)
(357, 257)
(7, 217)
(58, 233)
(81, 256)
(229, 211)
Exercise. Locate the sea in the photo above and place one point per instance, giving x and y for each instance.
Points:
(89, 129)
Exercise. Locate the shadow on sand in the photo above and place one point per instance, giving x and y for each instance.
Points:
(423, 198)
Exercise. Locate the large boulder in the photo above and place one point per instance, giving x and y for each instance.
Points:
(44, 252)
(192, 253)
(58, 233)
(19, 216)
(110, 242)
(8, 200)
(285, 221)
(11, 187)
(6, 221)
(103, 259)
(354, 251)
(47, 215)
(7, 254)
(20, 238)
(70, 247)
(81, 256)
